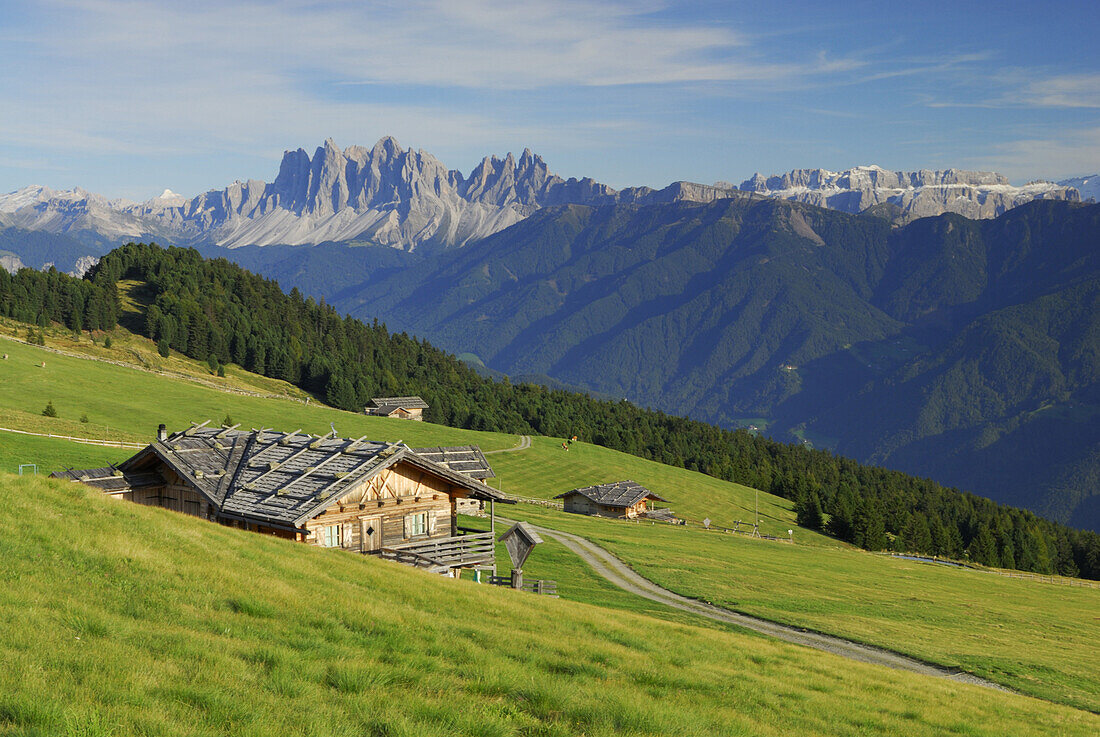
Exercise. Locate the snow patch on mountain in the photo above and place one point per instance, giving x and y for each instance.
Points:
(974, 194)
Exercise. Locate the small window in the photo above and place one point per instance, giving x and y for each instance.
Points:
(330, 536)
(416, 524)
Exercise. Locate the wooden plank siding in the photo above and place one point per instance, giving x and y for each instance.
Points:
(580, 504)
(174, 494)
(391, 496)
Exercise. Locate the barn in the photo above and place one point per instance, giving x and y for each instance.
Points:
(404, 408)
(625, 499)
(368, 497)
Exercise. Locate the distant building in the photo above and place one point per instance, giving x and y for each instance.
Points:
(357, 495)
(618, 499)
(405, 408)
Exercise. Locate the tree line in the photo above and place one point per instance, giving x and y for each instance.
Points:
(215, 311)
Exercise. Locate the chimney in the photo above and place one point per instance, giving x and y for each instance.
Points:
(162, 432)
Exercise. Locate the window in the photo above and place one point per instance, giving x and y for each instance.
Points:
(330, 536)
(416, 524)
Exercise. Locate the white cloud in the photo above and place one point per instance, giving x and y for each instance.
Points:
(1076, 90)
(1073, 152)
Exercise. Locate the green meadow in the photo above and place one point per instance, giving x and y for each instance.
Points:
(117, 619)
(1037, 638)
(131, 402)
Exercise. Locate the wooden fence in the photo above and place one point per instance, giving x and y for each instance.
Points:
(444, 552)
(539, 586)
(86, 441)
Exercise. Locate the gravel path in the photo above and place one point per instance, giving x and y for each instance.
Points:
(524, 444)
(617, 572)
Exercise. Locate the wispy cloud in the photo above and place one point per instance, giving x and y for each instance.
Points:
(1073, 151)
(1023, 89)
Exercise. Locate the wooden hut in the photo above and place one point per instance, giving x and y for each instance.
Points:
(357, 495)
(623, 499)
(405, 408)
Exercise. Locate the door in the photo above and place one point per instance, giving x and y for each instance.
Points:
(370, 533)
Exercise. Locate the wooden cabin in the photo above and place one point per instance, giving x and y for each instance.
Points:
(622, 499)
(356, 495)
(404, 408)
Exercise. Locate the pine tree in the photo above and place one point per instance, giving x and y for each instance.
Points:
(808, 511)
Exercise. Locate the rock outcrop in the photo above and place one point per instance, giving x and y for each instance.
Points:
(408, 199)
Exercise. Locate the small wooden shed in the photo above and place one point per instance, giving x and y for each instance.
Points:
(356, 495)
(405, 408)
(623, 499)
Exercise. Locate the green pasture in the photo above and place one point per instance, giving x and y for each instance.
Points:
(546, 470)
(1034, 637)
(1038, 638)
(117, 619)
(132, 402)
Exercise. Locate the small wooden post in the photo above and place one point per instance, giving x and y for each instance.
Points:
(517, 578)
(492, 517)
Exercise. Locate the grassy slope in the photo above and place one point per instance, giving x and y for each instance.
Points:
(121, 619)
(132, 402)
(1035, 637)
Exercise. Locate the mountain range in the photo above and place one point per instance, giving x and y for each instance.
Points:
(407, 199)
(941, 323)
(959, 349)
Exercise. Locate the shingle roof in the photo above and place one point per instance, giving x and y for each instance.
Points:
(283, 478)
(402, 402)
(467, 459)
(616, 494)
(109, 479)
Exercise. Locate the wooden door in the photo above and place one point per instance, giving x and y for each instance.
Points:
(370, 534)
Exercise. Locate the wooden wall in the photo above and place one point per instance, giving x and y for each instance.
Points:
(580, 504)
(389, 498)
(174, 495)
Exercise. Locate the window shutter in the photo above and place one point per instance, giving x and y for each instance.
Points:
(431, 523)
(408, 524)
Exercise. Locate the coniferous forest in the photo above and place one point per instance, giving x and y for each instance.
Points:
(215, 311)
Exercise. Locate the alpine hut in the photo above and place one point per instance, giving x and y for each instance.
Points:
(618, 499)
(369, 497)
(404, 408)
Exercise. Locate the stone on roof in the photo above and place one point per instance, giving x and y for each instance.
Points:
(398, 402)
(109, 479)
(467, 459)
(616, 494)
(283, 478)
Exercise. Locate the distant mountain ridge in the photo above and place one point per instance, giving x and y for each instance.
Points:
(406, 199)
(977, 195)
(963, 350)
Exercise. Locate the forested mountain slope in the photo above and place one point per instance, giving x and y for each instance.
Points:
(216, 312)
(934, 348)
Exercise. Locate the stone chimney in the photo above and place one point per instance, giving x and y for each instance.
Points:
(162, 432)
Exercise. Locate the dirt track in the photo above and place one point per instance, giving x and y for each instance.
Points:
(524, 444)
(617, 572)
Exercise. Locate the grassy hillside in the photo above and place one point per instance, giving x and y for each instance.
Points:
(132, 402)
(1036, 637)
(120, 619)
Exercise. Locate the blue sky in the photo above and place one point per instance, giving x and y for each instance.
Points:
(127, 98)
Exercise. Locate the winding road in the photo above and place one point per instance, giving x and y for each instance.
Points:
(524, 444)
(618, 573)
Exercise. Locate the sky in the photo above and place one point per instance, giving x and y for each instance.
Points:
(127, 98)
